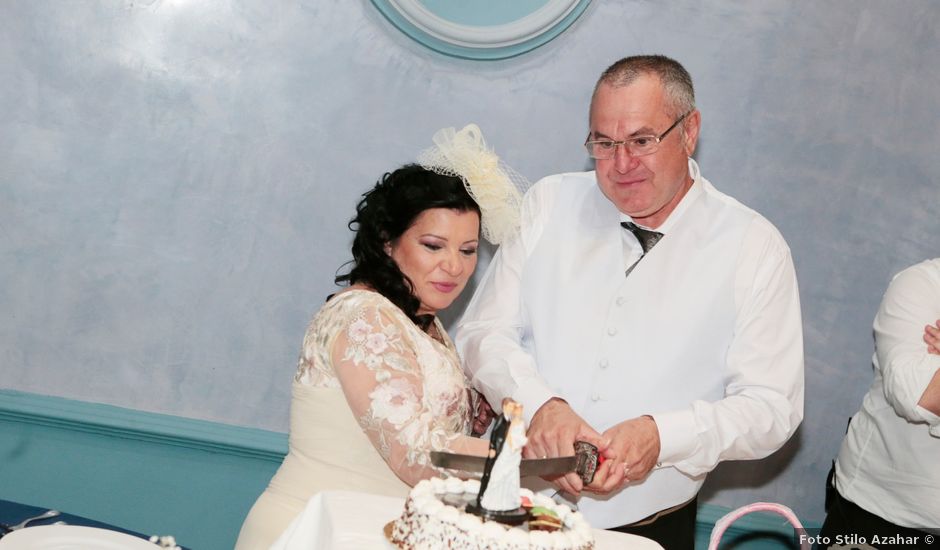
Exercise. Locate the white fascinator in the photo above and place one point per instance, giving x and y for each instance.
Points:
(496, 188)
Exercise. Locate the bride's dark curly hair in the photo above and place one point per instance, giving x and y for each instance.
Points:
(387, 211)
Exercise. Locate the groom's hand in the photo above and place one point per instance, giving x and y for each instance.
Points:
(632, 454)
(553, 431)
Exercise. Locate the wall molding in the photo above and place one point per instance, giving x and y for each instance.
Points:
(109, 420)
(98, 429)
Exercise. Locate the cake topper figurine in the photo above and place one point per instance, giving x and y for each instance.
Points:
(499, 497)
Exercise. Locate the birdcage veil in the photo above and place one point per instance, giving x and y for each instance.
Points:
(496, 187)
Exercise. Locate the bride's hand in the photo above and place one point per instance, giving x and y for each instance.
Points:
(483, 416)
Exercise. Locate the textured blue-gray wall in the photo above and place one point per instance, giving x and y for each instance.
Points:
(176, 176)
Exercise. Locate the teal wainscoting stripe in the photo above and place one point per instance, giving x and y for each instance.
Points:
(133, 424)
(195, 480)
(151, 473)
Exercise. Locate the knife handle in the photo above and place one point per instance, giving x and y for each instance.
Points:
(588, 460)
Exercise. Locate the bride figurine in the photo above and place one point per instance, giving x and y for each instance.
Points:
(499, 490)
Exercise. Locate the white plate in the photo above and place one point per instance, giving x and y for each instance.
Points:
(72, 537)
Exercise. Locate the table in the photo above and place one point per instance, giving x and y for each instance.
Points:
(12, 513)
(337, 520)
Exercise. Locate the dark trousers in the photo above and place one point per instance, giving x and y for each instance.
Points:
(849, 525)
(673, 531)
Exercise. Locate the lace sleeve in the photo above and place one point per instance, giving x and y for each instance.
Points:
(404, 412)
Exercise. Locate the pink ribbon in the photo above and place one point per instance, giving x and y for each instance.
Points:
(722, 524)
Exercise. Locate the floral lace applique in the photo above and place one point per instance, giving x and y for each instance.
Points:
(407, 392)
(375, 346)
(415, 403)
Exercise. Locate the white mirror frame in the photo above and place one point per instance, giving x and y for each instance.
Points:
(482, 42)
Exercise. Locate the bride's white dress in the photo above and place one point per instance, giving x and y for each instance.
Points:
(373, 394)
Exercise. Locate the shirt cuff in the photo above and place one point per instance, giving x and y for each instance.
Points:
(677, 436)
(532, 395)
(932, 420)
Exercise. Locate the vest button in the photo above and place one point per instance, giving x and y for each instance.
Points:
(604, 364)
(612, 331)
(621, 300)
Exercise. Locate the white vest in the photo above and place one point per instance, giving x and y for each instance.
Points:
(591, 326)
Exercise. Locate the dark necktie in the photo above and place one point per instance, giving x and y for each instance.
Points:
(647, 238)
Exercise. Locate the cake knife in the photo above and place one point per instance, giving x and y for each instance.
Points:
(584, 462)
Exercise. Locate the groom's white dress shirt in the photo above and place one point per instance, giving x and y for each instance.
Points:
(704, 334)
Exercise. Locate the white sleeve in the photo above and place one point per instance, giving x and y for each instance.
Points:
(381, 376)
(911, 302)
(489, 336)
(763, 400)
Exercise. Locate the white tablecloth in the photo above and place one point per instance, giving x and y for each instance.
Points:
(339, 520)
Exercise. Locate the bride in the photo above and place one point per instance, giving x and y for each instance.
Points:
(379, 384)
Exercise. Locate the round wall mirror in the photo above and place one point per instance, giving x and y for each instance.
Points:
(482, 29)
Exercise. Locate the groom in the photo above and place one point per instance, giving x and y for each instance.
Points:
(669, 365)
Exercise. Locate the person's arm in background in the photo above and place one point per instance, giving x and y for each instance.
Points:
(489, 340)
(911, 383)
(930, 399)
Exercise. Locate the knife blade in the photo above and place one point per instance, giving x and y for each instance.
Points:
(584, 462)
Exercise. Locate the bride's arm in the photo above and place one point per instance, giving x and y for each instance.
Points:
(378, 370)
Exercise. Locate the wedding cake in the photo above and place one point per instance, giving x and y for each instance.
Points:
(434, 518)
(493, 513)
